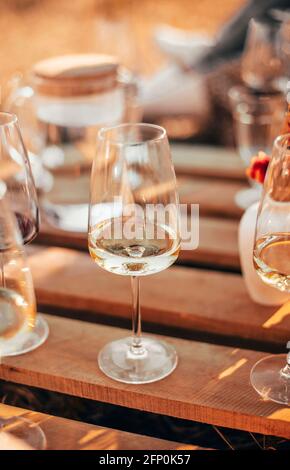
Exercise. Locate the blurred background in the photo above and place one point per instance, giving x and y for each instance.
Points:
(213, 75)
(132, 30)
(36, 28)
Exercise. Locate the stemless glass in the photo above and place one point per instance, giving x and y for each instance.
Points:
(17, 318)
(271, 376)
(258, 119)
(17, 301)
(134, 231)
(18, 189)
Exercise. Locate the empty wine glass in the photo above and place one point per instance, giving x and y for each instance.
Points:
(271, 376)
(262, 66)
(134, 231)
(18, 189)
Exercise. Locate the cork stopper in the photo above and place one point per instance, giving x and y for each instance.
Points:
(75, 75)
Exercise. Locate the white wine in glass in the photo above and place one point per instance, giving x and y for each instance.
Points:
(272, 260)
(18, 189)
(134, 256)
(134, 231)
(271, 376)
(17, 318)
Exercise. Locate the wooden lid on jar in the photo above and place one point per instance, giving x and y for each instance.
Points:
(75, 75)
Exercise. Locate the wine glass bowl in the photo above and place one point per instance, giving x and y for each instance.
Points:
(15, 172)
(272, 239)
(271, 376)
(262, 65)
(134, 231)
(19, 433)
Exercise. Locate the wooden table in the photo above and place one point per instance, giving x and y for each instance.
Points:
(203, 310)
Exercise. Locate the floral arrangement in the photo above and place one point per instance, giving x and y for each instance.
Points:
(258, 167)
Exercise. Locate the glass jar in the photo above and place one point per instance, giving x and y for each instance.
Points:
(67, 100)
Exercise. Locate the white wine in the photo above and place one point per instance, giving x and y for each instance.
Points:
(272, 260)
(16, 314)
(135, 256)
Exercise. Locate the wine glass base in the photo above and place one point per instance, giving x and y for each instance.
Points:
(267, 380)
(246, 197)
(29, 341)
(21, 433)
(118, 362)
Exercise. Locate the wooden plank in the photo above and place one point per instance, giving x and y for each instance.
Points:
(216, 197)
(66, 434)
(209, 161)
(217, 242)
(210, 384)
(192, 299)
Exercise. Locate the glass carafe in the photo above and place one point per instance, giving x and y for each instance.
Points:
(66, 101)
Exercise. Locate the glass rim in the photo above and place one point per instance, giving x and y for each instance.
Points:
(7, 119)
(104, 130)
(280, 141)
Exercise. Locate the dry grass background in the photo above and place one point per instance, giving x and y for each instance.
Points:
(34, 29)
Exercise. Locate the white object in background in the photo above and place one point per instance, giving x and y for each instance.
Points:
(82, 111)
(172, 91)
(259, 292)
(185, 46)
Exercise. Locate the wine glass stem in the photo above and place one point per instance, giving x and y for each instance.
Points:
(2, 274)
(136, 347)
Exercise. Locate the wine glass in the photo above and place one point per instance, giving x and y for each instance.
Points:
(262, 66)
(271, 376)
(134, 231)
(19, 433)
(258, 119)
(18, 189)
(17, 315)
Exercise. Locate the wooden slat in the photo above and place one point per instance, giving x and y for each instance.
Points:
(201, 160)
(218, 244)
(210, 384)
(66, 434)
(191, 299)
(216, 197)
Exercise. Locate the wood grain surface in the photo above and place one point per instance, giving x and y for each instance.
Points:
(191, 299)
(216, 197)
(210, 161)
(66, 434)
(210, 385)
